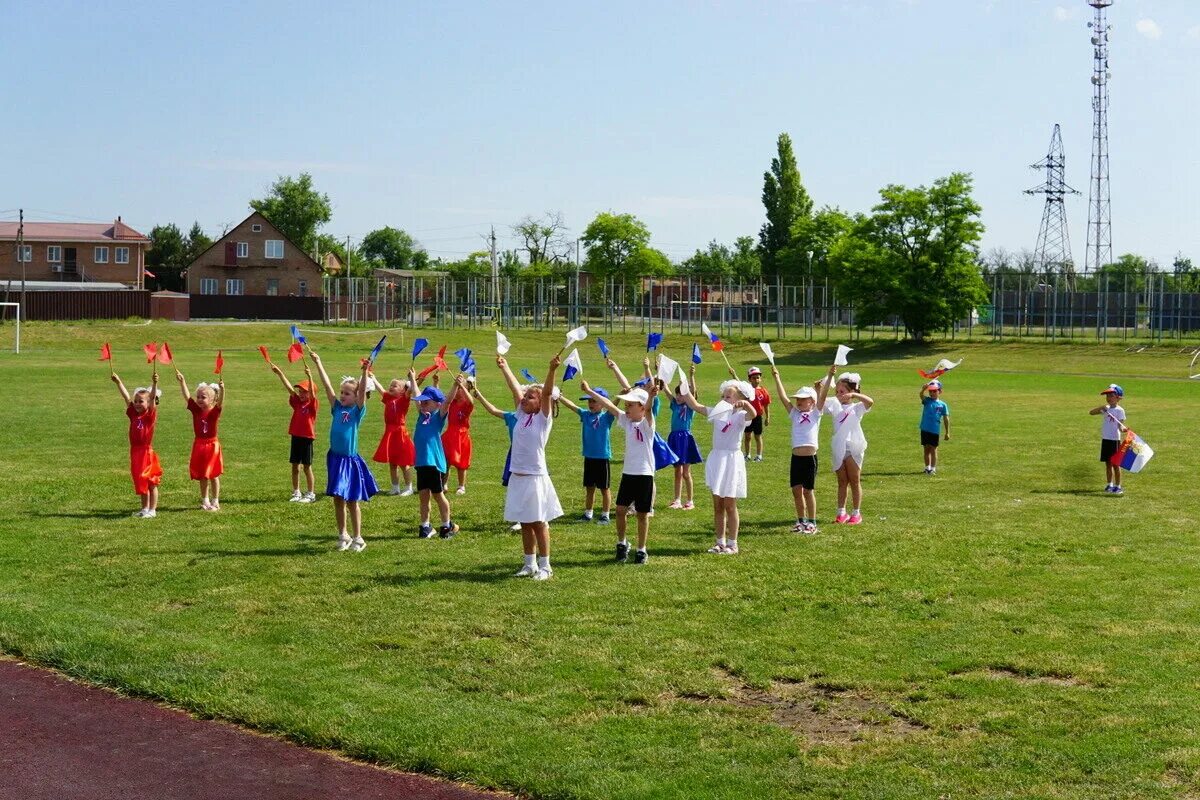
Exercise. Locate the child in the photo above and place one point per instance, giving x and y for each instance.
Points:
(1110, 435)
(664, 456)
(431, 459)
(637, 473)
(596, 428)
(143, 461)
(805, 412)
(456, 441)
(934, 413)
(349, 481)
(531, 499)
(725, 470)
(396, 446)
(206, 464)
(510, 421)
(849, 443)
(301, 429)
(683, 445)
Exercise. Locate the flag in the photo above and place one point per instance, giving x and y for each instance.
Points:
(1133, 453)
(378, 347)
(425, 373)
(642, 382)
(468, 365)
(464, 358)
(527, 375)
(575, 335)
(666, 369)
(603, 347)
(696, 353)
(840, 359)
(164, 354)
(942, 367)
(151, 350)
(653, 340)
(712, 337)
(148, 273)
(684, 388)
(574, 365)
(418, 346)
(297, 337)
(105, 352)
(262, 348)
(295, 352)
(768, 352)
(503, 345)
(220, 364)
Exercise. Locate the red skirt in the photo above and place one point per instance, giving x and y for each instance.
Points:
(396, 448)
(144, 469)
(456, 441)
(206, 462)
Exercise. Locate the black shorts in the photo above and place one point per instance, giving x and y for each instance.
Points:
(596, 473)
(1108, 448)
(432, 479)
(636, 490)
(804, 471)
(929, 439)
(301, 451)
(755, 426)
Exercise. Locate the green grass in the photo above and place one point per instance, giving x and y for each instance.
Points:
(1038, 636)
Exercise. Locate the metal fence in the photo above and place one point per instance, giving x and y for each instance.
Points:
(1021, 306)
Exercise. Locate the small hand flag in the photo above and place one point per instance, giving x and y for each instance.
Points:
(712, 337)
(942, 367)
(464, 358)
(527, 375)
(164, 354)
(653, 340)
(220, 365)
(468, 365)
(575, 335)
(262, 348)
(684, 388)
(151, 351)
(696, 354)
(768, 352)
(296, 337)
(666, 369)
(840, 359)
(503, 345)
(574, 365)
(295, 352)
(378, 347)
(603, 347)
(418, 346)
(105, 352)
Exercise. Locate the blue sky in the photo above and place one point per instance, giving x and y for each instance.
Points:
(446, 118)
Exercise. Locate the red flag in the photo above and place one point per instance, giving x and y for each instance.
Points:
(427, 371)
(164, 354)
(295, 352)
(262, 348)
(105, 352)
(148, 273)
(151, 350)
(441, 355)
(220, 364)
(937, 373)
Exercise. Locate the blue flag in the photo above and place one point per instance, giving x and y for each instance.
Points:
(464, 356)
(468, 365)
(378, 347)
(418, 346)
(297, 337)
(695, 353)
(642, 382)
(527, 375)
(653, 341)
(603, 347)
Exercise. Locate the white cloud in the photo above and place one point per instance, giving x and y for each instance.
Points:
(1149, 28)
(1063, 14)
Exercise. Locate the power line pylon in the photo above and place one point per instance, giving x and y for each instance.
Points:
(1099, 235)
(1052, 255)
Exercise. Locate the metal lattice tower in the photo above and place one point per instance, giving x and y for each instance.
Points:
(1052, 256)
(1099, 234)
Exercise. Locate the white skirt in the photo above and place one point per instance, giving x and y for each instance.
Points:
(531, 498)
(855, 449)
(725, 473)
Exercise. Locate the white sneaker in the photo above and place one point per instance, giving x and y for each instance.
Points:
(296, 497)
(516, 526)
(358, 545)
(758, 458)
(343, 542)
(141, 512)
(408, 492)
(150, 513)
(309, 497)
(395, 490)
(543, 574)
(526, 571)
(461, 490)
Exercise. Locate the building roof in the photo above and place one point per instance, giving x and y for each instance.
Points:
(233, 231)
(63, 286)
(103, 233)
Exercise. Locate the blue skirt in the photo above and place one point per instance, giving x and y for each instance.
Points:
(683, 444)
(349, 478)
(664, 456)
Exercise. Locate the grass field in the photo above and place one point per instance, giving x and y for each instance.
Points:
(1003, 629)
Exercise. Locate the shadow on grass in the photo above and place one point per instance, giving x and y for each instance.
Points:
(302, 550)
(1076, 492)
(127, 514)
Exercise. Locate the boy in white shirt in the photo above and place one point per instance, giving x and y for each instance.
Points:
(1111, 428)
(804, 409)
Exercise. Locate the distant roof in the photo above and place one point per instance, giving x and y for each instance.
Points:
(61, 286)
(116, 231)
(384, 272)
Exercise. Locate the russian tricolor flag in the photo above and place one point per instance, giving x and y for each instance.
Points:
(1133, 453)
(712, 337)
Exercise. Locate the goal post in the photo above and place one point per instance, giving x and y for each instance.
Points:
(17, 339)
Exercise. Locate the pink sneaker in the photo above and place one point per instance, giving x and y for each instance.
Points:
(689, 506)
(842, 519)
(855, 519)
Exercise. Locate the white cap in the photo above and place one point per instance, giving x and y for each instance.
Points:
(805, 391)
(744, 388)
(635, 396)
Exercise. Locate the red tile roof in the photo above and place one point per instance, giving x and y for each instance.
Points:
(116, 231)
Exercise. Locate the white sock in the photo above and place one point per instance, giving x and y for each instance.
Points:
(623, 541)
(641, 550)
(858, 512)
(587, 512)
(842, 511)
(721, 541)
(543, 562)
(424, 522)
(529, 561)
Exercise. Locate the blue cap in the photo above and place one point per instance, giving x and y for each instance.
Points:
(431, 393)
(598, 391)
(1114, 389)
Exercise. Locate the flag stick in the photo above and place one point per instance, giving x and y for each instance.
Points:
(727, 364)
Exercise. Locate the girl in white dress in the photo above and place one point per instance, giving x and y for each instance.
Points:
(725, 469)
(849, 441)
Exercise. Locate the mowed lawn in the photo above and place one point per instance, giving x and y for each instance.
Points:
(1003, 629)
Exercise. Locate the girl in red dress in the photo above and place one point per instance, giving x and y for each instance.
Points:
(396, 446)
(206, 464)
(456, 440)
(143, 461)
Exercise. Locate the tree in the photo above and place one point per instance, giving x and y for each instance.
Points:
(813, 236)
(197, 242)
(296, 209)
(611, 240)
(1126, 274)
(328, 244)
(915, 257)
(721, 262)
(646, 262)
(785, 200)
(475, 265)
(392, 248)
(167, 257)
(543, 239)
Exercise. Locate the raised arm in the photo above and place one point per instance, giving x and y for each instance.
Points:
(622, 381)
(607, 404)
(360, 393)
(651, 393)
(509, 379)
(220, 401)
(283, 378)
(823, 387)
(780, 391)
(692, 378)
(748, 407)
(121, 388)
(183, 387)
(566, 401)
(330, 395)
(862, 398)
(154, 386)
(548, 386)
(695, 405)
(488, 406)
(646, 373)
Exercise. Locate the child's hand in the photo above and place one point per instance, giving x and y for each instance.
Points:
(501, 361)
(179, 376)
(646, 362)
(275, 368)
(608, 362)
(732, 373)
(555, 362)
(775, 370)
(947, 437)
(116, 378)
(584, 385)
(316, 358)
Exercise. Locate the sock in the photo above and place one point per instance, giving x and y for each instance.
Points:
(587, 512)
(721, 541)
(641, 550)
(529, 560)
(396, 485)
(858, 512)
(841, 511)
(543, 562)
(623, 541)
(424, 522)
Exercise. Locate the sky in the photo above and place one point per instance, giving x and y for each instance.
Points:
(446, 118)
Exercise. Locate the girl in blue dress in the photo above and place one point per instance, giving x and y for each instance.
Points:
(683, 445)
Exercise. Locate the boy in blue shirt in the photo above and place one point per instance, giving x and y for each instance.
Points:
(596, 425)
(934, 414)
(431, 460)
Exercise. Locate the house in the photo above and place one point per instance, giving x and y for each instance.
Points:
(73, 252)
(333, 264)
(254, 258)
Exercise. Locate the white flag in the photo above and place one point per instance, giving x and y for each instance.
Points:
(768, 352)
(576, 335)
(683, 384)
(666, 369)
(721, 410)
(840, 358)
(503, 345)
(574, 366)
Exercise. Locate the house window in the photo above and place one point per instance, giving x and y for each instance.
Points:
(274, 248)
(302, 288)
(243, 250)
(101, 254)
(272, 286)
(121, 255)
(54, 254)
(25, 253)
(208, 286)
(233, 286)
(256, 228)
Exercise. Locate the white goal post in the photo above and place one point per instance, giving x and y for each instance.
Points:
(17, 306)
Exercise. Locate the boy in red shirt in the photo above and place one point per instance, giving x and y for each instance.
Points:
(301, 429)
(762, 411)
(143, 461)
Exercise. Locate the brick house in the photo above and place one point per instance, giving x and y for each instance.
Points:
(75, 251)
(254, 258)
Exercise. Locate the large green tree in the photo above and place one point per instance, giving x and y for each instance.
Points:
(785, 200)
(813, 236)
(392, 248)
(611, 240)
(196, 243)
(296, 208)
(167, 257)
(914, 256)
(720, 262)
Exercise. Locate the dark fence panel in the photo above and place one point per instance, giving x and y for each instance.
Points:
(70, 305)
(219, 306)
